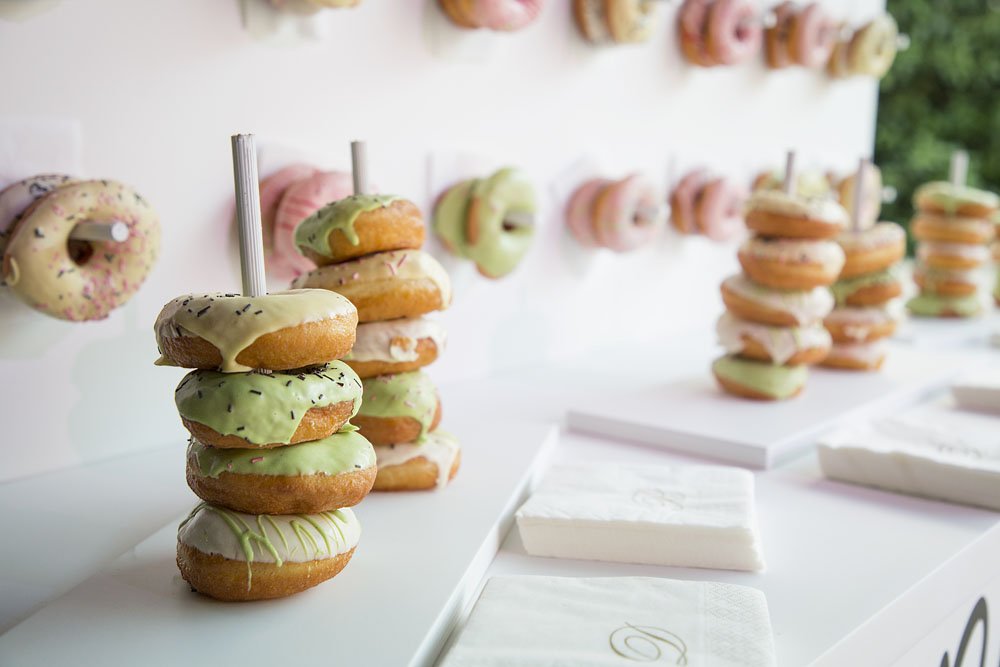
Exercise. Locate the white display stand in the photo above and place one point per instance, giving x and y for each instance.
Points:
(693, 415)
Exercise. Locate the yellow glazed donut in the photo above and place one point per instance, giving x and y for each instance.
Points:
(395, 346)
(950, 229)
(776, 213)
(429, 464)
(959, 200)
(940, 255)
(779, 345)
(872, 50)
(791, 264)
(873, 249)
(81, 280)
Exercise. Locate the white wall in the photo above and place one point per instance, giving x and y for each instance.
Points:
(160, 86)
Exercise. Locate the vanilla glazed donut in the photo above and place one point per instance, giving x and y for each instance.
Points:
(235, 333)
(813, 36)
(692, 29)
(630, 21)
(386, 285)
(81, 280)
(734, 31)
(776, 37)
(316, 476)
(940, 255)
(17, 197)
(950, 229)
(272, 190)
(872, 204)
(591, 19)
(791, 263)
(360, 225)
(856, 356)
(395, 346)
(431, 464)
(873, 249)
(301, 200)
(782, 308)
(627, 214)
(494, 241)
(398, 408)
(935, 305)
(947, 198)
(862, 325)
(719, 209)
(684, 201)
(580, 211)
(779, 214)
(261, 411)
(946, 282)
(759, 380)
(870, 289)
(239, 557)
(778, 345)
(872, 49)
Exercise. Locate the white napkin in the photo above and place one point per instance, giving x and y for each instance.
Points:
(690, 516)
(933, 451)
(980, 391)
(614, 622)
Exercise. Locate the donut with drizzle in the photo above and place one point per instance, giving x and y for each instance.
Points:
(791, 264)
(948, 199)
(395, 346)
(782, 308)
(17, 197)
(778, 345)
(399, 408)
(759, 380)
(793, 216)
(430, 464)
(872, 250)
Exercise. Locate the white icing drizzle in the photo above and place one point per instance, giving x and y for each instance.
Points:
(805, 306)
(438, 447)
(857, 322)
(828, 254)
(823, 209)
(880, 235)
(395, 340)
(781, 343)
(939, 276)
(970, 251)
(867, 353)
(975, 226)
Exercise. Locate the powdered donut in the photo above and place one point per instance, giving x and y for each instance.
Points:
(791, 264)
(415, 467)
(719, 210)
(759, 380)
(861, 325)
(734, 31)
(395, 346)
(784, 308)
(939, 255)
(779, 345)
(792, 216)
(873, 249)
(398, 408)
(627, 214)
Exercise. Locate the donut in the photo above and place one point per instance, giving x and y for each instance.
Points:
(360, 225)
(839, 66)
(457, 11)
(940, 255)
(494, 240)
(580, 211)
(783, 308)
(630, 21)
(759, 380)
(719, 209)
(234, 556)
(627, 214)
(315, 476)
(235, 333)
(791, 263)
(591, 19)
(808, 184)
(870, 289)
(692, 26)
(776, 37)
(683, 201)
(272, 189)
(872, 204)
(856, 356)
(813, 36)
(429, 464)
(861, 325)
(935, 305)
(950, 229)
(17, 197)
(386, 285)
(873, 249)
(505, 15)
(946, 282)
(261, 411)
(958, 200)
(872, 49)
(396, 346)
(398, 408)
(301, 200)
(81, 280)
(778, 345)
(793, 216)
(734, 32)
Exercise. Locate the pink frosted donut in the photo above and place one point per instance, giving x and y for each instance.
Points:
(683, 200)
(734, 31)
(580, 211)
(506, 15)
(814, 34)
(272, 189)
(719, 210)
(303, 198)
(627, 214)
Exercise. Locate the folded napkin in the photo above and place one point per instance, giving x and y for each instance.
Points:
(613, 622)
(978, 392)
(689, 516)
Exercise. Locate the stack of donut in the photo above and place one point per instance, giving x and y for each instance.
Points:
(868, 51)
(368, 250)
(272, 453)
(954, 226)
(619, 215)
(500, 15)
(773, 328)
(703, 204)
(718, 32)
(615, 21)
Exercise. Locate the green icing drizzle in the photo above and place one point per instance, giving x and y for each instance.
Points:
(314, 231)
(402, 395)
(933, 305)
(776, 381)
(264, 408)
(342, 452)
(843, 289)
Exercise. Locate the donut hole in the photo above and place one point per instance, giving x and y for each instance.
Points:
(79, 251)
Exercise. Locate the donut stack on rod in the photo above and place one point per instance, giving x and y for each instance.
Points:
(272, 452)
(367, 248)
(867, 309)
(954, 226)
(773, 327)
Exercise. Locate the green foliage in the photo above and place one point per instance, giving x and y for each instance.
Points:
(942, 94)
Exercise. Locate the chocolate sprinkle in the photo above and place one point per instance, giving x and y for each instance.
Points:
(255, 391)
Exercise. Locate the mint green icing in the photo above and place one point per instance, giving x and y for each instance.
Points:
(264, 408)
(843, 289)
(401, 395)
(764, 377)
(951, 197)
(347, 451)
(450, 214)
(933, 305)
(314, 231)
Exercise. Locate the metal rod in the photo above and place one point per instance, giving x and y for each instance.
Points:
(359, 167)
(116, 231)
(789, 184)
(959, 170)
(248, 215)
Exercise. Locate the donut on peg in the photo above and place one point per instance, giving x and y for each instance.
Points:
(719, 209)
(692, 32)
(272, 190)
(619, 215)
(734, 31)
(777, 36)
(498, 15)
(580, 211)
(872, 49)
(813, 36)
(683, 201)
(17, 197)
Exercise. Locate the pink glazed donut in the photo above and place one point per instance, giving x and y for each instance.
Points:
(719, 209)
(505, 15)
(627, 214)
(683, 200)
(580, 211)
(303, 198)
(814, 34)
(734, 31)
(272, 189)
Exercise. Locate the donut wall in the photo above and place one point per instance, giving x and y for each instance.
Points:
(156, 89)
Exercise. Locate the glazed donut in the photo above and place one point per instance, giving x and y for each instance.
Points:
(790, 263)
(776, 213)
(495, 242)
(838, 66)
(416, 467)
(759, 380)
(398, 408)
(719, 209)
(235, 556)
(580, 211)
(316, 476)
(873, 249)
(261, 411)
(81, 280)
(946, 229)
(502, 15)
(938, 255)
(591, 18)
(683, 201)
(360, 225)
(872, 204)
(630, 21)
(17, 197)
(627, 214)
(301, 200)
(692, 25)
(935, 305)
(946, 198)
(813, 36)
(782, 308)
(872, 50)
(386, 285)
(734, 32)
(856, 356)
(776, 37)
(778, 345)
(457, 11)
(272, 190)
(396, 346)
(234, 333)
(870, 289)
(862, 325)
(946, 282)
